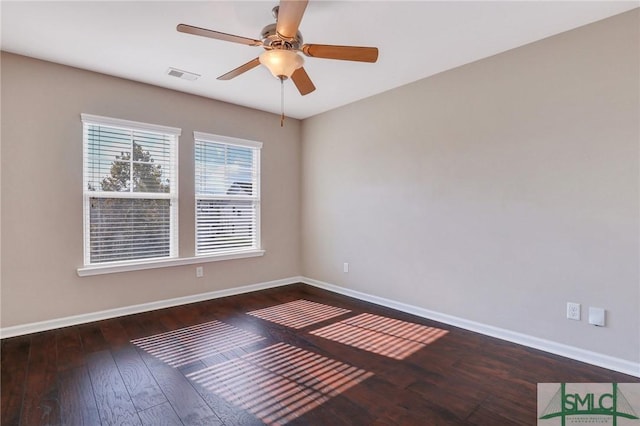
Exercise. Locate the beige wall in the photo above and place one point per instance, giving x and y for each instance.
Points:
(42, 191)
(495, 192)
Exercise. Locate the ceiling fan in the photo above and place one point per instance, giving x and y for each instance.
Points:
(282, 43)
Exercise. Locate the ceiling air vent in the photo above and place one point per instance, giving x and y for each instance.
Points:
(185, 75)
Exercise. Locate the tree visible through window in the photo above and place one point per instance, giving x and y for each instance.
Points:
(130, 190)
(147, 176)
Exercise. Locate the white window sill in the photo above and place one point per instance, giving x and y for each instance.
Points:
(115, 267)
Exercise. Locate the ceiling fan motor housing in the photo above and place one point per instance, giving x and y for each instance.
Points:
(272, 40)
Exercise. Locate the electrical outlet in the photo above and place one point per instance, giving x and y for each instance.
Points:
(573, 311)
(345, 267)
(199, 272)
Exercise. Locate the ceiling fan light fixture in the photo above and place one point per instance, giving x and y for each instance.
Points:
(282, 63)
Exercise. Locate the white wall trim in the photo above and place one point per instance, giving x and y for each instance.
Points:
(35, 327)
(578, 354)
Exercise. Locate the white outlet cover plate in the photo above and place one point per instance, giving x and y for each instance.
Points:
(573, 311)
(596, 316)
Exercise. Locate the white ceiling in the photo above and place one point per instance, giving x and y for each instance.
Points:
(138, 41)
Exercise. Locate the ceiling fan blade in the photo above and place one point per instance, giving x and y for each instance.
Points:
(289, 16)
(345, 53)
(302, 81)
(188, 29)
(241, 69)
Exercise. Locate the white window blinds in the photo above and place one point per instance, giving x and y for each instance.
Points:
(227, 180)
(130, 190)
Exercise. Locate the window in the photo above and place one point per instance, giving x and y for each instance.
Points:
(227, 179)
(130, 190)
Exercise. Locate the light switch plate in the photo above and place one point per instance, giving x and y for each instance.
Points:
(596, 316)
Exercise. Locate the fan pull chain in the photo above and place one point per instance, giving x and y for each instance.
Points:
(281, 101)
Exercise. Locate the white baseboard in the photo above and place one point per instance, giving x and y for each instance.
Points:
(594, 358)
(35, 327)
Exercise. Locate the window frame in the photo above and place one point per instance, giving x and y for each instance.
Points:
(173, 195)
(256, 146)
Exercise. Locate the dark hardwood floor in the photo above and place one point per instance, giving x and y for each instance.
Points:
(295, 355)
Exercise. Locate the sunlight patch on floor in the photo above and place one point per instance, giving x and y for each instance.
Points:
(381, 335)
(299, 313)
(186, 345)
(279, 383)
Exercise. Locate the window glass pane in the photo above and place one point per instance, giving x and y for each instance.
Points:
(107, 166)
(227, 203)
(152, 158)
(221, 169)
(118, 178)
(210, 168)
(150, 144)
(149, 177)
(121, 229)
(225, 225)
(240, 169)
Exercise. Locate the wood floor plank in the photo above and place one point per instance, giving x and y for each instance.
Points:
(404, 416)
(160, 415)
(151, 323)
(69, 348)
(228, 413)
(172, 319)
(132, 326)
(15, 356)
(401, 404)
(77, 401)
(485, 417)
(143, 389)
(112, 399)
(522, 409)
(460, 405)
(336, 411)
(41, 405)
(184, 399)
(92, 338)
(186, 315)
(114, 333)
